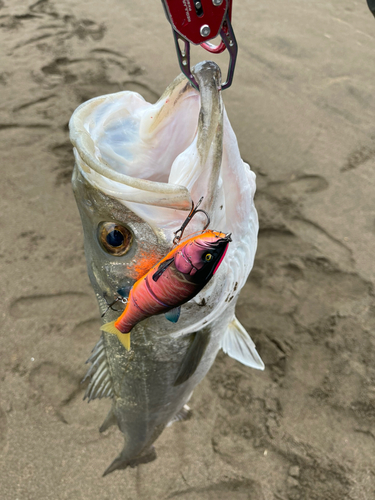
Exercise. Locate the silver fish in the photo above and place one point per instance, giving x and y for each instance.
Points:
(138, 167)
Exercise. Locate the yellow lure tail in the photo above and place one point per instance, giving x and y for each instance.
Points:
(124, 338)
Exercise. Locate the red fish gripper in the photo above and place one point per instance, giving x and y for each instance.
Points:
(197, 22)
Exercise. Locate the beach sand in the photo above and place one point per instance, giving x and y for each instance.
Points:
(302, 105)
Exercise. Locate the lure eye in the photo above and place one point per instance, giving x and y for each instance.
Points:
(114, 238)
(208, 257)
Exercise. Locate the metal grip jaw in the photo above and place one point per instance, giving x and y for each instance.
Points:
(197, 21)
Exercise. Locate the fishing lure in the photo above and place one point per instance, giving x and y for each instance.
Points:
(174, 280)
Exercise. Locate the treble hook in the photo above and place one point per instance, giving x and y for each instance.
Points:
(194, 210)
(117, 299)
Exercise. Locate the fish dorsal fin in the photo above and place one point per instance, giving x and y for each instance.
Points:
(163, 266)
(100, 385)
(173, 314)
(238, 345)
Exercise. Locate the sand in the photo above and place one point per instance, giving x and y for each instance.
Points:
(302, 105)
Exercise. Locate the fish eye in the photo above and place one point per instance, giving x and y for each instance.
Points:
(114, 238)
(208, 257)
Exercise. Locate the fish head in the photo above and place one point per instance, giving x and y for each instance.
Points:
(138, 169)
(200, 257)
(120, 247)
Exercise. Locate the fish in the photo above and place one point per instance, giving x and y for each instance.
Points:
(138, 168)
(174, 280)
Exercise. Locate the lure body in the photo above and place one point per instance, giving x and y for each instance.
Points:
(176, 279)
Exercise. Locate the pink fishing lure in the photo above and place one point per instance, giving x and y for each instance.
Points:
(176, 279)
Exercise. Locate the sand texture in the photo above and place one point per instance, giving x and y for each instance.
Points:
(302, 105)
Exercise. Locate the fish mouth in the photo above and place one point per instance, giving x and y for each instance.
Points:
(150, 183)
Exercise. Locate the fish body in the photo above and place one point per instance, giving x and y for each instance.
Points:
(138, 168)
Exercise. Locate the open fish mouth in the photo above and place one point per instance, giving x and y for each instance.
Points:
(159, 156)
(140, 163)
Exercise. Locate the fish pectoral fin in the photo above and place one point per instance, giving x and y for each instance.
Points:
(173, 314)
(163, 266)
(184, 414)
(193, 356)
(238, 345)
(124, 338)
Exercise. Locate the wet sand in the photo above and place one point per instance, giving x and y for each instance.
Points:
(302, 105)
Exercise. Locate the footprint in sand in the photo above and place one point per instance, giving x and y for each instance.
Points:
(61, 391)
(359, 157)
(311, 232)
(297, 185)
(289, 192)
(60, 306)
(238, 489)
(86, 329)
(3, 429)
(55, 383)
